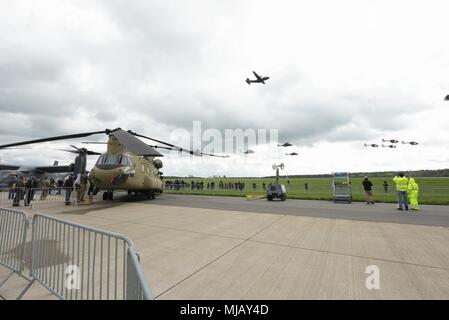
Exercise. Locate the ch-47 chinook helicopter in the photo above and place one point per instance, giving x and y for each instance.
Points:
(128, 163)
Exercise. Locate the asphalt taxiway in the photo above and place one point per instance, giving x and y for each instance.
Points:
(432, 215)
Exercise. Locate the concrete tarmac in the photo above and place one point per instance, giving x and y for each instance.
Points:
(195, 247)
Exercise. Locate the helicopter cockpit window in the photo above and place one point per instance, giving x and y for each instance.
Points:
(114, 159)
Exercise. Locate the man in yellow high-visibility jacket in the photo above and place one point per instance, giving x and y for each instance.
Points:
(401, 188)
(413, 190)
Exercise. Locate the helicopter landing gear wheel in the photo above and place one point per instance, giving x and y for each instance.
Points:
(108, 195)
(150, 195)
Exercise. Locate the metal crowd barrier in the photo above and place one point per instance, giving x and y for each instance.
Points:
(13, 233)
(77, 262)
(71, 260)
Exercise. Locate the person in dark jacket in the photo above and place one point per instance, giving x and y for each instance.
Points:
(368, 187)
(385, 185)
(29, 192)
(68, 185)
(20, 191)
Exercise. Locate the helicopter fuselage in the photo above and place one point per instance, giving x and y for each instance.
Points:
(118, 169)
(129, 172)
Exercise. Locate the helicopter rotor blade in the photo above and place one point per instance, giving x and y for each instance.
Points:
(75, 147)
(78, 151)
(64, 137)
(93, 142)
(65, 150)
(176, 148)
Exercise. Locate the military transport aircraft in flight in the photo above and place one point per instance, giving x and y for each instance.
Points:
(259, 79)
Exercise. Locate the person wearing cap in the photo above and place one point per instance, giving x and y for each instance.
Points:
(368, 187)
(401, 187)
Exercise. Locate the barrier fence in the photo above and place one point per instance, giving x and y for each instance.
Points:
(13, 233)
(73, 261)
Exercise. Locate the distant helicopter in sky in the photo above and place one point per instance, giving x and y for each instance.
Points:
(371, 145)
(413, 143)
(291, 154)
(286, 144)
(391, 141)
(446, 98)
(389, 146)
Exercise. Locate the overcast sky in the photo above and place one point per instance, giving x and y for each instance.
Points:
(342, 73)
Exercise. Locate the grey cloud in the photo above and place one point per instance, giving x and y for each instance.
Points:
(161, 49)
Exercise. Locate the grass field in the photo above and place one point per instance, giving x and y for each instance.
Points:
(432, 190)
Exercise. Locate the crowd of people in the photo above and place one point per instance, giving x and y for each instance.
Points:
(24, 188)
(200, 185)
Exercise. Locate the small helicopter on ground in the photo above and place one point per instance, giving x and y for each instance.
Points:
(373, 145)
(413, 143)
(389, 146)
(128, 163)
(259, 79)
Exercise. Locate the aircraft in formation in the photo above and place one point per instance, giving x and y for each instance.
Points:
(391, 140)
(392, 144)
(291, 154)
(371, 145)
(286, 144)
(127, 164)
(259, 79)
